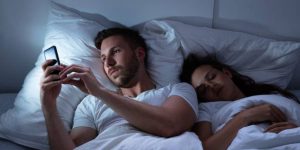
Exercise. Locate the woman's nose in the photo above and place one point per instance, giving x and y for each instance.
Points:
(210, 84)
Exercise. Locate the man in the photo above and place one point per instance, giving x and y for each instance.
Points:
(165, 112)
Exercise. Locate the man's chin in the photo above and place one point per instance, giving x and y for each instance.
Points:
(121, 84)
(116, 81)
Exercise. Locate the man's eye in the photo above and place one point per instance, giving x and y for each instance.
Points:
(115, 51)
(103, 59)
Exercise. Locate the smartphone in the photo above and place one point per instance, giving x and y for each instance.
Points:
(51, 53)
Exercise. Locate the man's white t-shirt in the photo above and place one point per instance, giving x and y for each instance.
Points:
(92, 112)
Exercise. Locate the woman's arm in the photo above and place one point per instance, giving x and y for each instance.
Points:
(280, 126)
(223, 138)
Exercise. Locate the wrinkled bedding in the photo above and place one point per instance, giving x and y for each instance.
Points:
(253, 136)
(125, 137)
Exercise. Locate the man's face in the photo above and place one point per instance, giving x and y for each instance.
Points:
(119, 61)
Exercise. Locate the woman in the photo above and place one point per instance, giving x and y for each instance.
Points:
(214, 81)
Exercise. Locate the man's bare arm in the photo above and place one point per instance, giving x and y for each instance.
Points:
(172, 118)
(81, 135)
(59, 138)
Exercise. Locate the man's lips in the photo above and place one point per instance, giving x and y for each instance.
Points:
(111, 71)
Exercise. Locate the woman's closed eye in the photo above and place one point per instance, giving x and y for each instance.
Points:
(210, 76)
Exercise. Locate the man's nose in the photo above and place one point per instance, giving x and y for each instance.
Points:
(110, 61)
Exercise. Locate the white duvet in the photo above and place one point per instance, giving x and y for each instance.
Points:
(124, 137)
(253, 136)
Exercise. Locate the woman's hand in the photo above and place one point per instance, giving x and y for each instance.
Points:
(262, 113)
(50, 83)
(280, 126)
(86, 81)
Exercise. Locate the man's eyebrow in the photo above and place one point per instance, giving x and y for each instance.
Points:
(109, 50)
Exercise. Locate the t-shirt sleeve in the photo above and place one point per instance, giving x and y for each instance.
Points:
(204, 113)
(187, 92)
(84, 116)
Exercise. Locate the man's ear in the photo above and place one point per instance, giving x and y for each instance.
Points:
(227, 72)
(140, 53)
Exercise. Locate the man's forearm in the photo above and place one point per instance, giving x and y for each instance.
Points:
(159, 120)
(58, 137)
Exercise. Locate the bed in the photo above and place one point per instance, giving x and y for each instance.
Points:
(270, 34)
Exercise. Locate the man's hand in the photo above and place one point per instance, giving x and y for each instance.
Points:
(50, 84)
(87, 81)
(262, 113)
(280, 126)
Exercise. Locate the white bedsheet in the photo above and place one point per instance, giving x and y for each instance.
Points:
(254, 137)
(125, 137)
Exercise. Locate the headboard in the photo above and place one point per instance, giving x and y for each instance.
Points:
(23, 24)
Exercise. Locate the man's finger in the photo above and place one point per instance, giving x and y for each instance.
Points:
(51, 78)
(47, 63)
(51, 69)
(70, 69)
(50, 85)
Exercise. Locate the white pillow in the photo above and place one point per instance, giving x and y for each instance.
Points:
(73, 36)
(265, 60)
(164, 54)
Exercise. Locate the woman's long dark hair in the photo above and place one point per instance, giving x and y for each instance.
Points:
(246, 84)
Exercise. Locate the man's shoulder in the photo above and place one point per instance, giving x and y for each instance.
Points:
(176, 86)
(180, 85)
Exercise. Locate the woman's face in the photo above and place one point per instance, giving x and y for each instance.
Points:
(215, 85)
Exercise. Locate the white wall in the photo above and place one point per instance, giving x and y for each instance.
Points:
(278, 19)
(22, 32)
(131, 12)
(23, 24)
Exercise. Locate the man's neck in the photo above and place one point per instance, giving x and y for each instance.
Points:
(143, 84)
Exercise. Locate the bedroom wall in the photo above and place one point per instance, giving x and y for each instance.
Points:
(22, 31)
(23, 25)
(277, 19)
